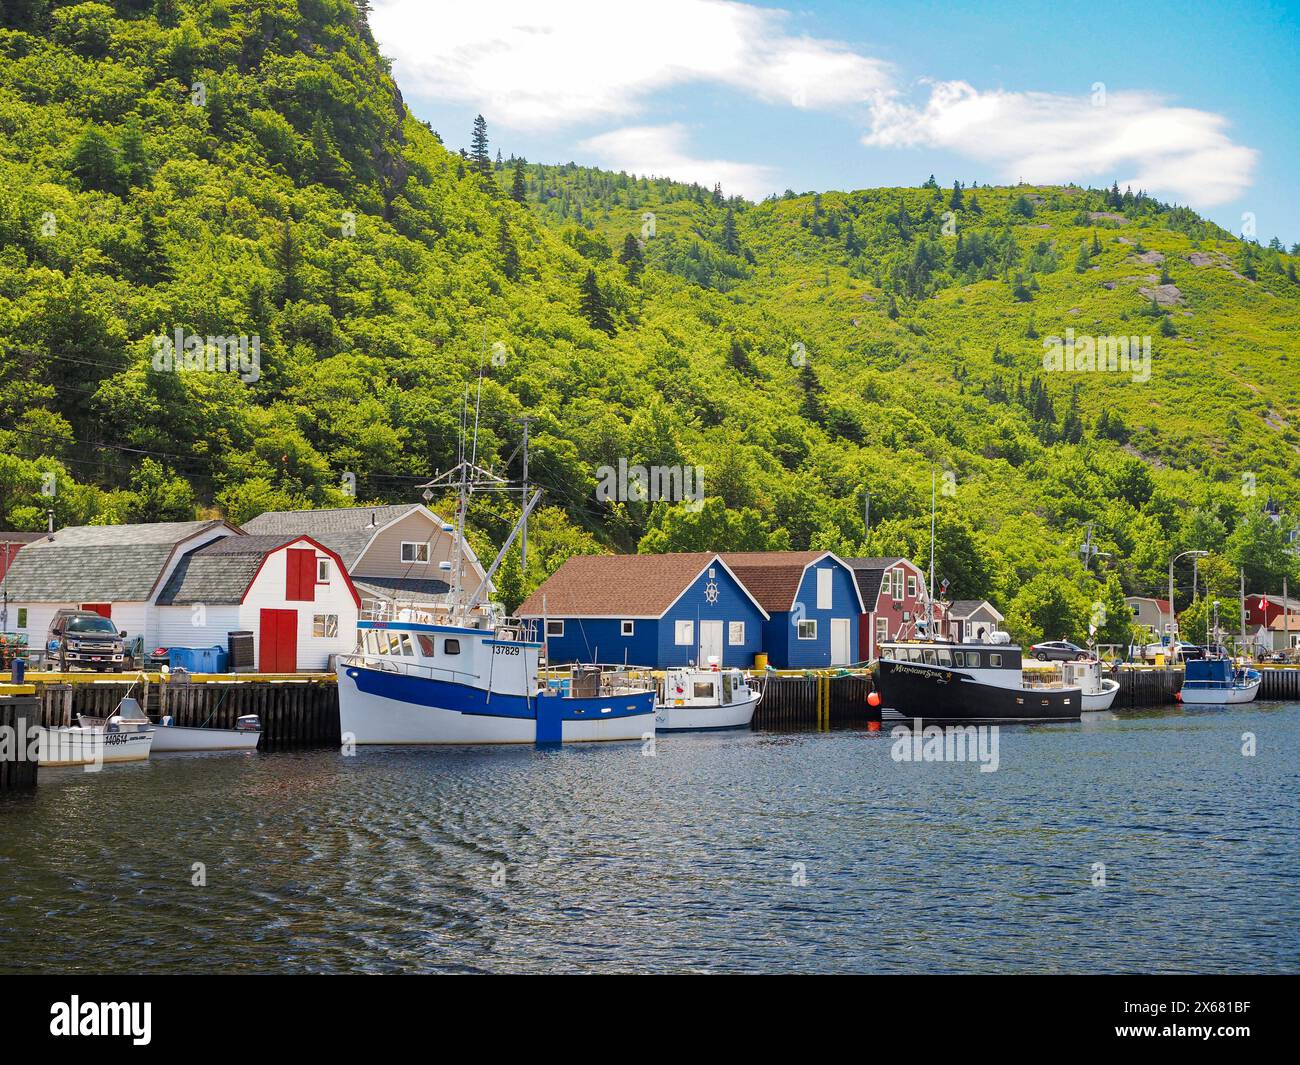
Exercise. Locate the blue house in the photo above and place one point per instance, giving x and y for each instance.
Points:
(812, 602)
(648, 610)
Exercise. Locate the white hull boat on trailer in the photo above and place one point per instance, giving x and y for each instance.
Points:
(701, 700)
(169, 738)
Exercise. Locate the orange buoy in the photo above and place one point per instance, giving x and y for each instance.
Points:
(873, 699)
(873, 726)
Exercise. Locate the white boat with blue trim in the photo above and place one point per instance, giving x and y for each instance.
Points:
(1215, 681)
(704, 700)
(413, 682)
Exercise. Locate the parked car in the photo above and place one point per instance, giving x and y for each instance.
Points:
(86, 639)
(1059, 651)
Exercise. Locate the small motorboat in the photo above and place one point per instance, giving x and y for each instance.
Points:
(1215, 681)
(170, 737)
(693, 700)
(127, 736)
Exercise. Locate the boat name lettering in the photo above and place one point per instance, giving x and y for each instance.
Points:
(932, 674)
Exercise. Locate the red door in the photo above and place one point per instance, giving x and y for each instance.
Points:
(104, 610)
(277, 650)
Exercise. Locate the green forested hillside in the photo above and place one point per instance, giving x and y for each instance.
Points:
(246, 168)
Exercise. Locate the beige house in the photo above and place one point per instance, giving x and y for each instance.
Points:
(400, 554)
(1151, 614)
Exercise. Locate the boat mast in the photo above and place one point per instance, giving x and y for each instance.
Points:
(930, 597)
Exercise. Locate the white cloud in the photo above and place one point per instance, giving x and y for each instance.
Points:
(531, 65)
(660, 151)
(1174, 152)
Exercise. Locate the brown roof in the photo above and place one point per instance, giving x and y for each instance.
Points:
(609, 586)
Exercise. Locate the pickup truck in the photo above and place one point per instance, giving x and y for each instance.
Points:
(85, 639)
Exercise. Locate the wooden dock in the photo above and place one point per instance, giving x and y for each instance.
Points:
(18, 714)
(816, 701)
(1279, 683)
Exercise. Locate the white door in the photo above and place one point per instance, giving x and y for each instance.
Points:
(710, 642)
(839, 641)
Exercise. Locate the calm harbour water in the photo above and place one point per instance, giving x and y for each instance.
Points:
(685, 861)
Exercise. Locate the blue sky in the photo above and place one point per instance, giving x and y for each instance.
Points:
(1197, 106)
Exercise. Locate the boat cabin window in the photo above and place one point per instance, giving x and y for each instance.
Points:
(995, 661)
(408, 648)
(704, 689)
(959, 658)
(394, 644)
(945, 658)
(451, 647)
(973, 659)
(928, 658)
(426, 644)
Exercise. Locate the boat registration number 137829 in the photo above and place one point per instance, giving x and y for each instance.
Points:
(505, 650)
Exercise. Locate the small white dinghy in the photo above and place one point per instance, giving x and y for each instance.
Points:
(243, 737)
(697, 700)
(127, 736)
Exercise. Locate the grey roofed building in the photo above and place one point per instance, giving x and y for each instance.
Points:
(344, 530)
(219, 572)
(100, 563)
(964, 608)
(869, 572)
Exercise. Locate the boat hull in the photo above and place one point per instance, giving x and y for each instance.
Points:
(705, 718)
(1219, 696)
(78, 746)
(910, 690)
(174, 738)
(1094, 702)
(378, 707)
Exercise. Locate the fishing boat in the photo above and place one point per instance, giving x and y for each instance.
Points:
(698, 700)
(126, 736)
(417, 683)
(941, 681)
(1216, 681)
(1098, 691)
(169, 737)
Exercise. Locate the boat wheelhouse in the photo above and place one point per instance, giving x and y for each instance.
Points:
(698, 700)
(968, 682)
(422, 682)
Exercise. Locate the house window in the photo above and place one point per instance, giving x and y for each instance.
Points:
(684, 633)
(911, 586)
(626, 628)
(322, 571)
(898, 585)
(825, 583)
(807, 630)
(326, 625)
(415, 552)
(882, 629)
(555, 627)
(22, 617)
(736, 633)
(451, 647)
(713, 571)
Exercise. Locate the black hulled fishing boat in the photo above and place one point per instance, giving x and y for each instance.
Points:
(939, 681)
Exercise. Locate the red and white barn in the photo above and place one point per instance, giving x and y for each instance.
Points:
(291, 592)
(893, 593)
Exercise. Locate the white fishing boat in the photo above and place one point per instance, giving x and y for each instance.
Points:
(1098, 692)
(697, 700)
(127, 736)
(170, 737)
(1215, 681)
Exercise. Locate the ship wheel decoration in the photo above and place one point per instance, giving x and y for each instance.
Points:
(711, 592)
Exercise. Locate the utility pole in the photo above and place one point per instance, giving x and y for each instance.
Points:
(526, 421)
(4, 609)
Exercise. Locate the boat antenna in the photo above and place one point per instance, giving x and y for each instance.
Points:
(930, 626)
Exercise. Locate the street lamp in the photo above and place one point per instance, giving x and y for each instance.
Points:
(1173, 615)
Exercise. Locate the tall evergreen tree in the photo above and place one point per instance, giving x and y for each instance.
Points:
(507, 253)
(632, 258)
(518, 187)
(480, 160)
(592, 303)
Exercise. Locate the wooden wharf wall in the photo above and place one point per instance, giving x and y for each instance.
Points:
(18, 714)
